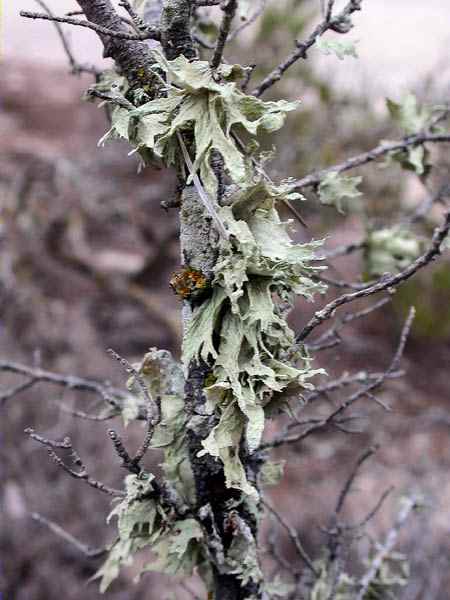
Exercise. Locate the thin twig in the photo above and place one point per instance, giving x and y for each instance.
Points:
(75, 66)
(122, 453)
(65, 444)
(314, 179)
(82, 474)
(331, 337)
(229, 10)
(349, 483)
(113, 396)
(341, 250)
(347, 380)
(382, 284)
(374, 510)
(409, 504)
(138, 23)
(361, 393)
(150, 33)
(252, 19)
(152, 407)
(302, 47)
(68, 537)
(15, 390)
(292, 535)
(426, 205)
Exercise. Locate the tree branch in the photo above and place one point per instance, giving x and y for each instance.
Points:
(75, 66)
(329, 23)
(130, 55)
(68, 537)
(384, 283)
(409, 505)
(314, 179)
(365, 391)
(292, 535)
(150, 33)
(82, 474)
(229, 10)
(113, 396)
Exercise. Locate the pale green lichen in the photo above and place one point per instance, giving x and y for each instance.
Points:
(340, 48)
(143, 523)
(206, 103)
(339, 191)
(390, 250)
(164, 379)
(242, 328)
(412, 118)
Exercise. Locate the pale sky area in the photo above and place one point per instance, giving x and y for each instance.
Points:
(400, 42)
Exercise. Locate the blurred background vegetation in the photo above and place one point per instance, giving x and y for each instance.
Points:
(86, 252)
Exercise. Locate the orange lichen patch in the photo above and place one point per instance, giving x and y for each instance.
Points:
(188, 283)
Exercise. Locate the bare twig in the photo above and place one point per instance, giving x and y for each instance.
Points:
(344, 381)
(341, 284)
(150, 33)
(426, 205)
(65, 444)
(349, 483)
(229, 10)
(274, 550)
(81, 414)
(382, 284)
(374, 510)
(153, 407)
(82, 474)
(341, 250)
(292, 535)
(113, 396)
(331, 337)
(314, 179)
(409, 504)
(252, 19)
(15, 390)
(74, 64)
(138, 24)
(122, 453)
(301, 51)
(153, 420)
(67, 537)
(365, 391)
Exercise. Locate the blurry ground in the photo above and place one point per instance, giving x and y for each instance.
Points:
(85, 255)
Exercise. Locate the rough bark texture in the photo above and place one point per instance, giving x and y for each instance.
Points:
(130, 56)
(176, 36)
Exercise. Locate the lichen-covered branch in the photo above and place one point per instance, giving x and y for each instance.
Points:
(314, 179)
(385, 283)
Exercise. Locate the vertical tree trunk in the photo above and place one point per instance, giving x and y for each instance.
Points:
(199, 239)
